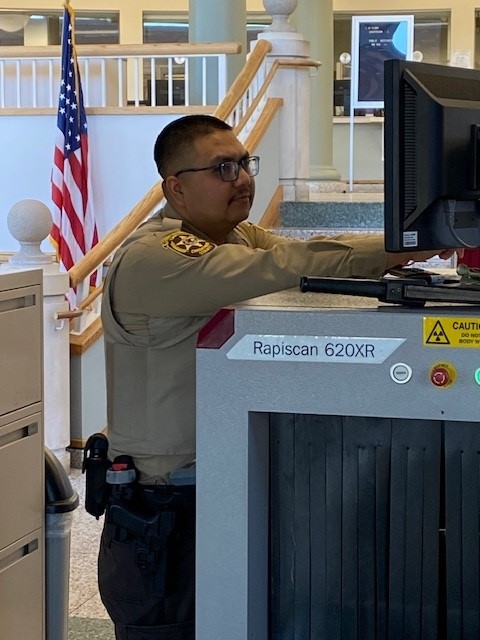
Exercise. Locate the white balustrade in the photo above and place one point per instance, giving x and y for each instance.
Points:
(31, 80)
(241, 109)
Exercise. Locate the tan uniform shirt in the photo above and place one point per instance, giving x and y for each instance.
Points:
(164, 283)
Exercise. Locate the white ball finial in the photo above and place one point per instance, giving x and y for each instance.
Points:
(280, 10)
(29, 222)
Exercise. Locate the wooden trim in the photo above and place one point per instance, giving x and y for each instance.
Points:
(147, 110)
(28, 111)
(121, 50)
(80, 444)
(293, 62)
(271, 107)
(368, 181)
(68, 315)
(80, 342)
(141, 110)
(271, 216)
(93, 295)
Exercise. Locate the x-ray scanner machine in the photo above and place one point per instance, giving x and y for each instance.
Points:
(338, 471)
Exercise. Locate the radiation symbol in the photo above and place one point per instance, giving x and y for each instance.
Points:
(437, 335)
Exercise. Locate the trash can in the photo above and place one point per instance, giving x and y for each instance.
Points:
(60, 502)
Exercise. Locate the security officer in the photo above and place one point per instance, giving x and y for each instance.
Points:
(196, 255)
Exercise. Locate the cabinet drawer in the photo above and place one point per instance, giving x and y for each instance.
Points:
(22, 589)
(22, 489)
(21, 344)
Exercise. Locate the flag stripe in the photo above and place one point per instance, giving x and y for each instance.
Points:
(74, 230)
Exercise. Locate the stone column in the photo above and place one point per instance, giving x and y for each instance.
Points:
(30, 221)
(293, 85)
(214, 21)
(314, 20)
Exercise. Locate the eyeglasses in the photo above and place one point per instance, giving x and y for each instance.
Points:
(230, 169)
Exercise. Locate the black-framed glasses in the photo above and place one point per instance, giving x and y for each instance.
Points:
(230, 169)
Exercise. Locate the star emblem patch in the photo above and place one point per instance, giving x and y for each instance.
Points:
(187, 244)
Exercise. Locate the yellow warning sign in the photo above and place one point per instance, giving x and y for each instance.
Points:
(451, 332)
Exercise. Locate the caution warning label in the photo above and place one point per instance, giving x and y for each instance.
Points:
(451, 332)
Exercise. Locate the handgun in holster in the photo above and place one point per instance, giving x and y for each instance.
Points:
(95, 465)
(150, 529)
(128, 515)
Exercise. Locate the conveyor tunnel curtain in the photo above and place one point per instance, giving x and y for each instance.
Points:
(359, 508)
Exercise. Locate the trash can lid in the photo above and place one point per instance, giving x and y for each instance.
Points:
(59, 494)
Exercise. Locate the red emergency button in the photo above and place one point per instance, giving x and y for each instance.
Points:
(443, 374)
(440, 376)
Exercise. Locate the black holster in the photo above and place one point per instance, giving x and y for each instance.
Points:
(151, 530)
(95, 465)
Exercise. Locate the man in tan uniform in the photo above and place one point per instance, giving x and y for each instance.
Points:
(196, 255)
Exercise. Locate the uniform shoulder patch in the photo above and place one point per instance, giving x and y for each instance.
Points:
(187, 244)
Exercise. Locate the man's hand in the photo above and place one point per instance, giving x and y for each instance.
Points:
(395, 259)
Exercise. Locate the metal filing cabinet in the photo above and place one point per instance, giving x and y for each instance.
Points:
(21, 456)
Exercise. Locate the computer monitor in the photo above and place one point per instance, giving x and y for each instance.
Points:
(432, 156)
(341, 95)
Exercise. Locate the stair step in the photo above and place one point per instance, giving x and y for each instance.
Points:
(343, 214)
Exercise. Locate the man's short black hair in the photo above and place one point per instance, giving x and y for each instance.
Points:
(174, 139)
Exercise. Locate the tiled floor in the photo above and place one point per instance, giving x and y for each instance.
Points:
(88, 619)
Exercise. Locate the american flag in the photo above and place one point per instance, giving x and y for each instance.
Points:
(74, 230)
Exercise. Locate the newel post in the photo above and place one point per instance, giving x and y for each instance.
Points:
(293, 85)
(280, 10)
(30, 221)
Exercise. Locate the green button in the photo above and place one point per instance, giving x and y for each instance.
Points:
(477, 376)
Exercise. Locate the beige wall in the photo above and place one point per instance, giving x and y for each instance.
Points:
(130, 11)
(462, 31)
(462, 13)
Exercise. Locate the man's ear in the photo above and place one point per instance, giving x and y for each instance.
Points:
(173, 188)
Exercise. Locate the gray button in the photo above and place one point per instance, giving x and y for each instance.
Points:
(400, 372)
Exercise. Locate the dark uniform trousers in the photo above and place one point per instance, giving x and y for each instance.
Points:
(151, 596)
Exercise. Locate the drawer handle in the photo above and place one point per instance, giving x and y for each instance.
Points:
(13, 304)
(18, 554)
(19, 434)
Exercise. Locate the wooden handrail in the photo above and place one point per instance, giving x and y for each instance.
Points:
(266, 83)
(116, 236)
(271, 215)
(292, 62)
(243, 80)
(120, 50)
(92, 296)
(271, 107)
(67, 315)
